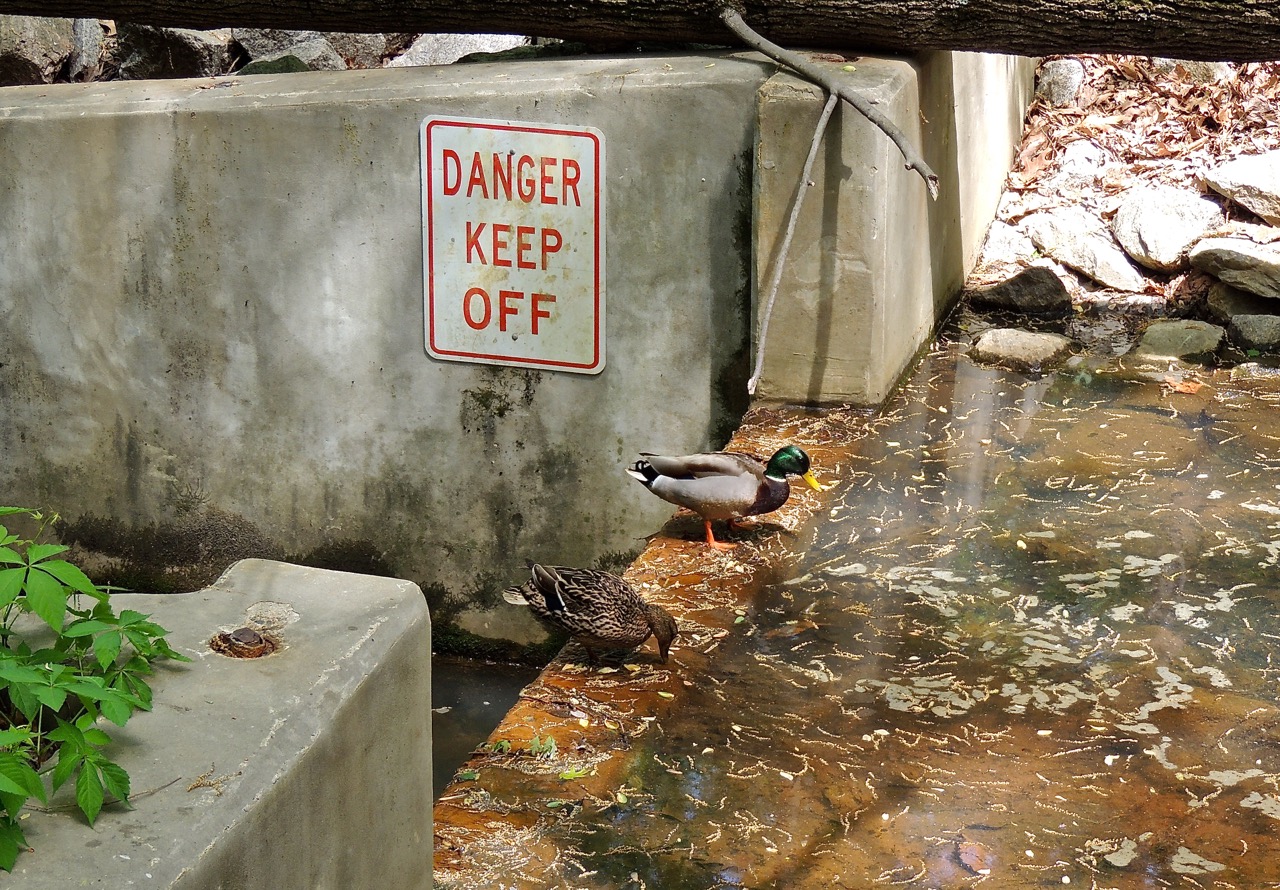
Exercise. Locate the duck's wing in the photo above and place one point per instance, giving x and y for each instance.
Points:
(712, 497)
(582, 592)
(706, 465)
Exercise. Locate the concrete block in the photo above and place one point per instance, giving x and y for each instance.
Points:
(875, 264)
(309, 768)
(212, 298)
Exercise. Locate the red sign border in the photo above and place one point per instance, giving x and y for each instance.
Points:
(597, 361)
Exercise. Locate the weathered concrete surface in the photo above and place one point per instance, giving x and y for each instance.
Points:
(874, 262)
(307, 768)
(211, 299)
(211, 295)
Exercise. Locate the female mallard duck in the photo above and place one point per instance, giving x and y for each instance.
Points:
(724, 485)
(597, 609)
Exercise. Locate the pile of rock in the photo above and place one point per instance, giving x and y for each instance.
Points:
(1080, 243)
(44, 50)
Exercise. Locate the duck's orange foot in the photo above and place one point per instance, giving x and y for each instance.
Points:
(713, 543)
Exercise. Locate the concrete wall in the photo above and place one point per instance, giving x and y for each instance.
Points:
(874, 262)
(211, 299)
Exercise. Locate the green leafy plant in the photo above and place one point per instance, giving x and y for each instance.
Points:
(66, 660)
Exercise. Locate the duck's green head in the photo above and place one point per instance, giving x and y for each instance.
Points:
(791, 460)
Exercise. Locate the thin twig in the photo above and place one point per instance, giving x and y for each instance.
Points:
(832, 84)
(776, 278)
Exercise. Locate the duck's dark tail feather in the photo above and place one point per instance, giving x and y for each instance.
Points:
(548, 582)
(643, 472)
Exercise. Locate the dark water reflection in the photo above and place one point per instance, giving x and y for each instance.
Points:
(468, 699)
(1033, 644)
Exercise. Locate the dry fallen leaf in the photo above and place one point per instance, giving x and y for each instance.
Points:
(976, 857)
(1187, 386)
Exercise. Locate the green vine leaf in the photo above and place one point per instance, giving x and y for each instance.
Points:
(47, 598)
(90, 670)
(11, 584)
(71, 576)
(17, 777)
(11, 841)
(89, 796)
(115, 779)
(40, 552)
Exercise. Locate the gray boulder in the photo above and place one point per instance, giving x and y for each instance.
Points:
(1081, 167)
(265, 45)
(1020, 350)
(1059, 82)
(32, 50)
(445, 49)
(1157, 224)
(1192, 71)
(1252, 181)
(1252, 321)
(1076, 238)
(1006, 245)
(1247, 265)
(146, 53)
(1034, 291)
(367, 50)
(87, 45)
(1226, 302)
(1260, 332)
(1182, 338)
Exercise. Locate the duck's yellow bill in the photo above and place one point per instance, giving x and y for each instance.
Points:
(813, 483)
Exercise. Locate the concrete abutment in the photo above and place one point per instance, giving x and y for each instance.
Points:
(212, 298)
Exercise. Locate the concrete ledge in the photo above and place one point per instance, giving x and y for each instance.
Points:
(875, 264)
(506, 818)
(308, 768)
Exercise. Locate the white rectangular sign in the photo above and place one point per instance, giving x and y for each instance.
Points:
(513, 243)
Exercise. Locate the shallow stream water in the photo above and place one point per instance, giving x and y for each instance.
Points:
(1033, 643)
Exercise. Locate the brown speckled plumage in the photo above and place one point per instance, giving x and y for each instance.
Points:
(599, 610)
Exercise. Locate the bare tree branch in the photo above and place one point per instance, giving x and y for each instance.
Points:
(833, 84)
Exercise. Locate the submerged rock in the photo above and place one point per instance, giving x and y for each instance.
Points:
(1020, 350)
(1183, 338)
(1035, 291)
(1157, 224)
(1240, 262)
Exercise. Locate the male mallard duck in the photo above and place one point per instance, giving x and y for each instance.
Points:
(599, 610)
(724, 485)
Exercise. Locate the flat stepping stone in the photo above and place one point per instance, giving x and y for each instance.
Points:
(1183, 338)
(1020, 350)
